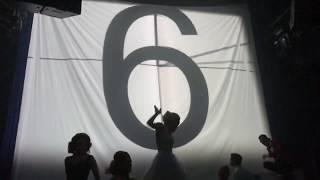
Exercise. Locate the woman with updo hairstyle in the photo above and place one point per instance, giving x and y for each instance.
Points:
(120, 166)
(80, 163)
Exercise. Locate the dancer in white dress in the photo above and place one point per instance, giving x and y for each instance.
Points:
(165, 166)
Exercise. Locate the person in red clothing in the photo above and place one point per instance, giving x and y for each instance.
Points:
(274, 149)
(276, 160)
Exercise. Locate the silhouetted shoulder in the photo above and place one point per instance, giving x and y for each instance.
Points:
(91, 160)
(74, 160)
(67, 159)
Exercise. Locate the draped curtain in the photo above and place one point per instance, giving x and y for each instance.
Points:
(64, 93)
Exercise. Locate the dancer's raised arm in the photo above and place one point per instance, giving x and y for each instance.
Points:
(150, 122)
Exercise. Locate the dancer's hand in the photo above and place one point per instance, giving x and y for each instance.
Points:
(157, 110)
(150, 122)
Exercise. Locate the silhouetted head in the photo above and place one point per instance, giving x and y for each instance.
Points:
(224, 173)
(265, 140)
(80, 143)
(121, 164)
(235, 159)
(171, 120)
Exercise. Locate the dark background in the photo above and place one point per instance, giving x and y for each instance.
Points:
(288, 60)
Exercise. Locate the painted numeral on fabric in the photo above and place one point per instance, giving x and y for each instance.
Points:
(117, 69)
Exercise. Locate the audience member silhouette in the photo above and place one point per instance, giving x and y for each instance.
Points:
(279, 162)
(224, 173)
(120, 166)
(237, 172)
(234, 171)
(165, 166)
(78, 165)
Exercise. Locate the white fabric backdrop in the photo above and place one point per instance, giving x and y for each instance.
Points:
(64, 95)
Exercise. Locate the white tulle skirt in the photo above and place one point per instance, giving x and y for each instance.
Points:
(165, 166)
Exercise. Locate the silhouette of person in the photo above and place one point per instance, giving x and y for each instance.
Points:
(78, 165)
(224, 173)
(237, 172)
(280, 162)
(120, 166)
(274, 149)
(165, 166)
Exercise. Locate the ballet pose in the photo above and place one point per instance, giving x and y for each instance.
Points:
(165, 166)
(78, 165)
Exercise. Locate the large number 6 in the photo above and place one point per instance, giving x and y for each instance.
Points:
(116, 72)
